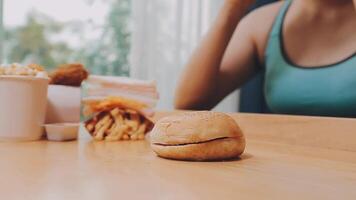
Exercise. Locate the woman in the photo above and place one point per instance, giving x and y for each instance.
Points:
(306, 47)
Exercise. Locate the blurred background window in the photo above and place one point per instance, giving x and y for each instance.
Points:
(164, 34)
(146, 39)
(49, 32)
(1, 31)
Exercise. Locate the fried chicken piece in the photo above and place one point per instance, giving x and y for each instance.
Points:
(69, 74)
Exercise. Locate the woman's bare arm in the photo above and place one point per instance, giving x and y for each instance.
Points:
(224, 60)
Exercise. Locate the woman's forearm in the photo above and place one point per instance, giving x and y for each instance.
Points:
(199, 79)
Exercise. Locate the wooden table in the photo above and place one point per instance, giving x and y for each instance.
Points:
(286, 158)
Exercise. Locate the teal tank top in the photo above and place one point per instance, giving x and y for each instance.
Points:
(291, 89)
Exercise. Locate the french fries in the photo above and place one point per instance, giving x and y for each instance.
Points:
(118, 124)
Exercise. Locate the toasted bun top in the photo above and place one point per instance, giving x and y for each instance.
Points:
(194, 127)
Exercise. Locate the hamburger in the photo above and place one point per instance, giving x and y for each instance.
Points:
(197, 136)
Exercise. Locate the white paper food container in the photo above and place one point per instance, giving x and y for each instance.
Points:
(63, 104)
(23, 102)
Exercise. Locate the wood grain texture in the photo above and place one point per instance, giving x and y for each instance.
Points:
(274, 166)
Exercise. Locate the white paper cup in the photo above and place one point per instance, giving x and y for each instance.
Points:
(23, 102)
(63, 104)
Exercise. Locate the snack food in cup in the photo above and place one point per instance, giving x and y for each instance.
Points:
(23, 94)
(31, 70)
(198, 136)
(117, 108)
(64, 93)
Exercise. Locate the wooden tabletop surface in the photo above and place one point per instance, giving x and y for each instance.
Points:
(286, 158)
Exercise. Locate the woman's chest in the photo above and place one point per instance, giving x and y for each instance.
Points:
(329, 91)
(310, 42)
(313, 44)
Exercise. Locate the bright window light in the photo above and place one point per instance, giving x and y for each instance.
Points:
(50, 33)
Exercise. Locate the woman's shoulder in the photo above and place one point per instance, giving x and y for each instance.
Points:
(266, 12)
(258, 23)
(262, 18)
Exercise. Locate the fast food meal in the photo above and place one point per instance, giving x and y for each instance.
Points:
(119, 108)
(197, 136)
(69, 74)
(16, 69)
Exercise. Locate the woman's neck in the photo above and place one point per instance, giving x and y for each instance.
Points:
(327, 8)
(327, 3)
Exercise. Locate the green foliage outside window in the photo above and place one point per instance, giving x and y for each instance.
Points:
(106, 55)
